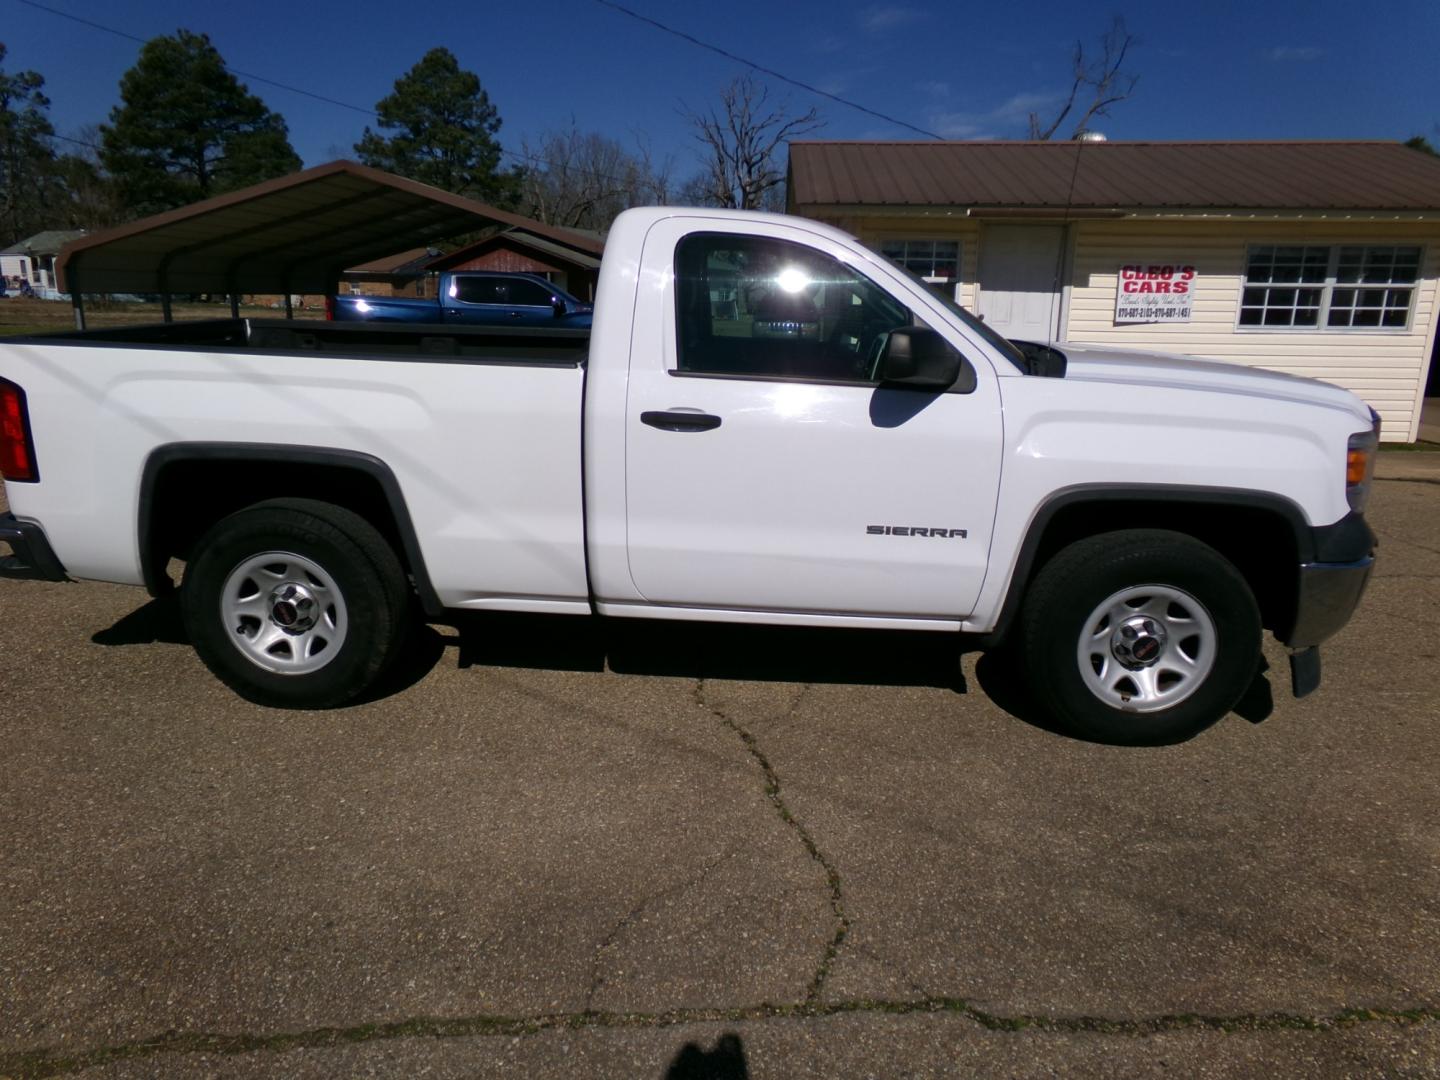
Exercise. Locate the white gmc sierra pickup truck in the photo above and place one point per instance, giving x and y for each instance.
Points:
(767, 423)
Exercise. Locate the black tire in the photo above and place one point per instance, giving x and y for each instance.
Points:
(1092, 600)
(335, 553)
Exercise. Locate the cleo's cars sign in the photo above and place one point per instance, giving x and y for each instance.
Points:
(1155, 292)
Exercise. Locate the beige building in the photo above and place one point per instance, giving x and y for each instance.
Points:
(1317, 258)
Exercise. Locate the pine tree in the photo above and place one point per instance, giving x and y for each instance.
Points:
(443, 129)
(187, 129)
(26, 157)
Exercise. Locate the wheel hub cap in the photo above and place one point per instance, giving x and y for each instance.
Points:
(293, 608)
(1139, 642)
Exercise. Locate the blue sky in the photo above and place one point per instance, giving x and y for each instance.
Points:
(1257, 70)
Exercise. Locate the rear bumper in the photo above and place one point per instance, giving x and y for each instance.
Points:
(30, 553)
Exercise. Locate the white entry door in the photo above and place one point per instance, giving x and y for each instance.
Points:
(1020, 278)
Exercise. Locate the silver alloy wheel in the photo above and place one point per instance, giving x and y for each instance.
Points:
(284, 613)
(1147, 648)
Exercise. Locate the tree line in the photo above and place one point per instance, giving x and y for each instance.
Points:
(185, 128)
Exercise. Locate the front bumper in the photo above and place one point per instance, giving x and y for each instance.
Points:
(30, 553)
(1328, 588)
(1328, 595)
(1333, 574)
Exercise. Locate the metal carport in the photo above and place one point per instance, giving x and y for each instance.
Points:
(294, 234)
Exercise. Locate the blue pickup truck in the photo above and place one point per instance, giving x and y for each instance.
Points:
(472, 297)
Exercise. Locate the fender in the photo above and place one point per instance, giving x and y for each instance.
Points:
(260, 453)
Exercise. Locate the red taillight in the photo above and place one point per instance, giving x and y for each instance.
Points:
(329, 309)
(17, 452)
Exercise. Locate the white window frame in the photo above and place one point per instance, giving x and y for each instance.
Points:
(1327, 290)
(930, 279)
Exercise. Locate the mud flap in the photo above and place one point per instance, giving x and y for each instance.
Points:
(1305, 671)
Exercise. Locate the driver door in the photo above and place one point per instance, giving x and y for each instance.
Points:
(766, 469)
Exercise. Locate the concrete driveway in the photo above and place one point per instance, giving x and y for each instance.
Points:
(562, 848)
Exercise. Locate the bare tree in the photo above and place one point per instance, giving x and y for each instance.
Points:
(739, 140)
(583, 180)
(1103, 82)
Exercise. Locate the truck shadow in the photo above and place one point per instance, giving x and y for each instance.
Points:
(1002, 683)
(633, 647)
(710, 650)
(689, 650)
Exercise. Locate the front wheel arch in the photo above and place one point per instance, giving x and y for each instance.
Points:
(1265, 536)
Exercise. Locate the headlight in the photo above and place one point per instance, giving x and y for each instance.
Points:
(1360, 464)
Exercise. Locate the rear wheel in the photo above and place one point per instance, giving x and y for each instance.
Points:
(1142, 636)
(296, 603)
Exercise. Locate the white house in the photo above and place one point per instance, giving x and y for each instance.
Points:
(1318, 258)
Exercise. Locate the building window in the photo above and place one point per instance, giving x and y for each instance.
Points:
(1336, 287)
(1374, 286)
(936, 261)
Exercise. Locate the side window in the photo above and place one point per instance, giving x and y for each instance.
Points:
(479, 290)
(533, 293)
(749, 305)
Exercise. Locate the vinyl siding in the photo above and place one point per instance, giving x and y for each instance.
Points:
(1386, 368)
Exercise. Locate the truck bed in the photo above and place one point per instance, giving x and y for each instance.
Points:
(431, 342)
(477, 428)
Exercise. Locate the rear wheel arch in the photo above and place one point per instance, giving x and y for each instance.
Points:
(186, 488)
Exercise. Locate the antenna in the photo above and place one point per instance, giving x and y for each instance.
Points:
(1080, 139)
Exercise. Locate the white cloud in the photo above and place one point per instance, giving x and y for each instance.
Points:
(995, 123)
(934, 88)
(888, 17)
(1021, 106)
(1296, 52)
(959, 125)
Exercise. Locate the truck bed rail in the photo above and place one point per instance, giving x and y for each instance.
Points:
(546, 346)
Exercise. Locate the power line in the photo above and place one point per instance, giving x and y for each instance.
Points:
(515, 154)
(232, 70)
(77, 142)
(760, 68)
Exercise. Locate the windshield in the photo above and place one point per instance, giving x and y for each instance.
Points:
(1002, 344)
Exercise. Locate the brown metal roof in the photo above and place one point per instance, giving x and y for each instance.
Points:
(293, 234)
(1125, 175)
(390, 264)
(588, 257)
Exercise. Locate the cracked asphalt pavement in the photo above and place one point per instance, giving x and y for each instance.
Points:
(563, 847)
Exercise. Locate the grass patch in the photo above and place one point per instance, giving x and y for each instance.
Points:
(19, 315)
(1420, 446)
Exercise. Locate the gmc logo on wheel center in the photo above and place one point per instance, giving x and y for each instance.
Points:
(911, 530)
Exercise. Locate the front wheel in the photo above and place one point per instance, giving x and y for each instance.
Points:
(1141, 636)
(295, 603)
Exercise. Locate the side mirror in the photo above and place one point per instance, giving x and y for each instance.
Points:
(918, 357)
(558, 306)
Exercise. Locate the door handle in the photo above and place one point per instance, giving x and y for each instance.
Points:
(676, 420)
